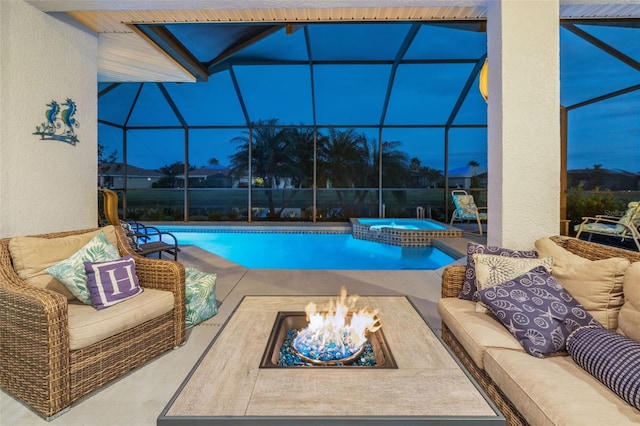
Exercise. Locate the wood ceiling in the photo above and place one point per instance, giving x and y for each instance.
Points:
(126, 55)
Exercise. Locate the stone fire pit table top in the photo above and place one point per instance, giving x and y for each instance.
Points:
(227, 386)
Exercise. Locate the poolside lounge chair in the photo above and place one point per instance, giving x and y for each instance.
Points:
(145, 240)
(625, 227)
(466, 209)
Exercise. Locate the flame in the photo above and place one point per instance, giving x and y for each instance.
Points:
(332, 326)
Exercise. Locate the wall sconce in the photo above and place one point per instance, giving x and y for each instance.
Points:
(483, 81)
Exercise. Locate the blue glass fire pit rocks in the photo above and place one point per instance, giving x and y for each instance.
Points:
(289, 357)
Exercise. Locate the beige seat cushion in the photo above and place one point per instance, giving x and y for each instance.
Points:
(32, 255)
(596, 284)
(629, 318)
(474, 330)
(556, 391)
(87, 325)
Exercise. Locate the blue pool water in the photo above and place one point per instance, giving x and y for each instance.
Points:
(285, 250)
(413, 224)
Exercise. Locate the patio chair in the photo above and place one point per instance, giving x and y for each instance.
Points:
(466, 209)
(54, 351)
(625, 227)
(144, 239)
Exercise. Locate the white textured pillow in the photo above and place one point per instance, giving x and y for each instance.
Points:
(493, 270)
(596, 284)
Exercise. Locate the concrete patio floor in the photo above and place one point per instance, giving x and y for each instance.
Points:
(138, 398)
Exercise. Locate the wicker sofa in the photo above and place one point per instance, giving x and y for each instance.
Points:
(529, 390)
(38, 361)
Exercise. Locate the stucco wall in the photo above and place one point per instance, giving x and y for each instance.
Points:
(524, 125)
(45, 185)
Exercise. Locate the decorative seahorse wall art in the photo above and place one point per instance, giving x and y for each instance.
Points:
(60, 124)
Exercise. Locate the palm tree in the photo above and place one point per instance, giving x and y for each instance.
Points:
(170, 173)
(434, 176)
(300, 145)
(395, 165)
(341, 158)
(271, 157)
(299, 166)
(395, 169)
(415, 164)
(344, 163)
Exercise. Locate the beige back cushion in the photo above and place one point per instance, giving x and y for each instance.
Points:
(32, 255)
(629, 318)
(596, 284)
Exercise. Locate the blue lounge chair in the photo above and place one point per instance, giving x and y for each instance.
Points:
(466, 209)
(145, 240)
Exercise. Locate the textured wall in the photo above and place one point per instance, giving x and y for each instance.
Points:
(524, 122)
(45, 185)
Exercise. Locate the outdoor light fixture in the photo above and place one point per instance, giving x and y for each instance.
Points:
(483, 81)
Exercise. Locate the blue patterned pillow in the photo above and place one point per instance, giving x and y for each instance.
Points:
(469, 285)
(611, 358)
(537, 311)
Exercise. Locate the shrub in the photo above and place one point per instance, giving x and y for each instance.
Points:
(580, 204)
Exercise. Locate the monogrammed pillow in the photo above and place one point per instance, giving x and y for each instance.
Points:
(112, 282)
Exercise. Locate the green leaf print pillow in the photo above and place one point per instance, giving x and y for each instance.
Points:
(200, 295)
(71, 273)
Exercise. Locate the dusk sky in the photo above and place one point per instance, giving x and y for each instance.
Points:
(352, 96)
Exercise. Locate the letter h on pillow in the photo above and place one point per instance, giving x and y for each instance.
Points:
(112, 282)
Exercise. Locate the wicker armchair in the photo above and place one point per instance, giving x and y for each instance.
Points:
(36, 363)
(452, 280)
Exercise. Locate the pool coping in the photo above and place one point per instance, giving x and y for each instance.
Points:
(324, 228)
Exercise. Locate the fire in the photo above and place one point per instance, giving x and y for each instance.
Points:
(329, 336)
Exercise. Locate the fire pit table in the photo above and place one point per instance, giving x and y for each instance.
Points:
(237, 380)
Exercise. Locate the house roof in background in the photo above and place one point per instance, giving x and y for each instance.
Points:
(132, 171)
(467, 171)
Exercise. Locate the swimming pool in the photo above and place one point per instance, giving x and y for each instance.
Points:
(308, 250)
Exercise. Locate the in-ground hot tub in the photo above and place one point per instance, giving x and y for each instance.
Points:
(402, 232)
